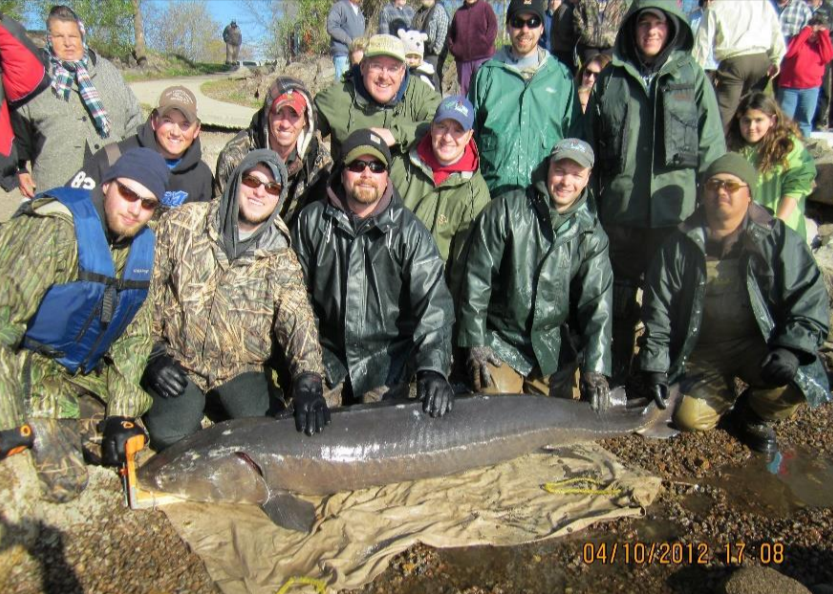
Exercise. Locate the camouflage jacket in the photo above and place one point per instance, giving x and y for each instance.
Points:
(38, 250)
(219, 319)
(596, 26)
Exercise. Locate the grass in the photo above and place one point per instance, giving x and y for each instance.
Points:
(230, 91)
(172, 67)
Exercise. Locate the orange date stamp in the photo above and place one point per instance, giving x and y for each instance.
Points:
(680, 553)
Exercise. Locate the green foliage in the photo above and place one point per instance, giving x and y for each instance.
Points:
(13, 8)
(165, 66)
(308, 23)
(109, 23)
(185, 28)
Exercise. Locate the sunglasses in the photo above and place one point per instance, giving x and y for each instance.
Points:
(591, 73)
(360, 166)
(530, 23)
(131, 196)
(273, 187)
(714, 185)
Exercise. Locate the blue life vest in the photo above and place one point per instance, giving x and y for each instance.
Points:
(77, 322)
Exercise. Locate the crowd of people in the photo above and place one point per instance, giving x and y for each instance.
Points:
(509, 238)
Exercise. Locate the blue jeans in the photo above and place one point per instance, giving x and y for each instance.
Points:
(800, 105)
(340, 62)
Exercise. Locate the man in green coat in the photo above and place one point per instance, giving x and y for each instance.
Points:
(379, 94)
(74, 334)
(524, 101)
(734, 293)
(536, 262)
(439, 180)
(654, 123)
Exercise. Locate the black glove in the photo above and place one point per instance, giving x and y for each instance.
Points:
(311, 412)
(117, 431)
(594, 387)
(779, 367)
(657, 384)
(435, 392)
(164, 376)
(14, 441)
(478, 368)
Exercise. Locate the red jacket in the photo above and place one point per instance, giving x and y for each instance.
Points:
(803, 66)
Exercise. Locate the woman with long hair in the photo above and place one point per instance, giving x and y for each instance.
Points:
(771, 142)
(587, 76)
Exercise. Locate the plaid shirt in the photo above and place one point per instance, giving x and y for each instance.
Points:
(793, 17)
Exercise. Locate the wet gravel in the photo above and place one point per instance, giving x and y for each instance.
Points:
(107, 548)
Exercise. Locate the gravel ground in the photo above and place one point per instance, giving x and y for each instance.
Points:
(716, 493)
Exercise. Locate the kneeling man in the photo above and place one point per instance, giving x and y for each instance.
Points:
(734, 293)
(537, 260)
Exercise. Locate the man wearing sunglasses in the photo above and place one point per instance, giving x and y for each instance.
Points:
(379, 94)
(537, 260)
(172, 130)
(654, 123)
(74, 334)
(524, 102)
(376, 283)
(229, 302)
(734, 293)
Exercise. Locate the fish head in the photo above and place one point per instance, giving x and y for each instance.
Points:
(214, 475)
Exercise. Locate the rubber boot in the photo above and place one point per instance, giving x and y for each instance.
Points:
(755, 432)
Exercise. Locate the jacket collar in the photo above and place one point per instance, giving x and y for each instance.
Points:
(759, 224)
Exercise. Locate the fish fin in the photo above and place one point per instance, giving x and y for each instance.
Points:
(290, 512)
(661, 426)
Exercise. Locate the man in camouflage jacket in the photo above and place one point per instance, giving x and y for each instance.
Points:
(229, 297)
(41, 254)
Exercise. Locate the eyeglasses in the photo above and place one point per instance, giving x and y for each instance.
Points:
(714, 185)
(131, 196)
(273, 187)
(359, 166)
(530, 23)
(591, 73)
(376, 68)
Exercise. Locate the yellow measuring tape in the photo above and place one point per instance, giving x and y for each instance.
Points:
(319, 585)
(586, 487)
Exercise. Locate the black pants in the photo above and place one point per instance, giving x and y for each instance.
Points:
(822, 119)
(247, 395)
(735, 78)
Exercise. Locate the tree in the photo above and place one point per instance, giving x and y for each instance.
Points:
(139, 48)
(109, 24)
(184, 28)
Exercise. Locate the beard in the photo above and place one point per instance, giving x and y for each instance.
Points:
(365, 194)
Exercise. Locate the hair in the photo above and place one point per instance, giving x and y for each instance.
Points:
(780, 138)
(601, 59)
(61, 12)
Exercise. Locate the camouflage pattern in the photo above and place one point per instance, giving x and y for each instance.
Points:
(58, 460)
(38, 250)
(597, 28)
(221, 319)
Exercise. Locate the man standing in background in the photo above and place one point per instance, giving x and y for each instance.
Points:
(344, 24)
(471, 39)
(433, 20)
(234, 39)
(395, 16)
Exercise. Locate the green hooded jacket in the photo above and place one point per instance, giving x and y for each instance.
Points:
(786, 290)
(654, 129)
(342, 108)
(518, 121)
(447, 210)
(530, 271)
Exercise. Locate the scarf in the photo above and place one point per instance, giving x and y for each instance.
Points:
(468, 162)
(63, 73)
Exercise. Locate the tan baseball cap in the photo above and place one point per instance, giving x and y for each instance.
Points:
(181, 99)
(385, 45)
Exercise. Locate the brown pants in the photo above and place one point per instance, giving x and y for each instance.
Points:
(561, 384)
(735, 78)
(708, 388)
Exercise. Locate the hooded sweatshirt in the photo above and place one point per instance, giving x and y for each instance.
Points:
(309, 165)
(191, 178)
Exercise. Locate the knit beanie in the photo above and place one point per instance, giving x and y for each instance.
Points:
(142, 165)
(735, 164)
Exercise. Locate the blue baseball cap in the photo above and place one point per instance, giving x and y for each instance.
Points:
(457, 108)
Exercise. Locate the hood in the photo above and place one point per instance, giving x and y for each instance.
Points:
(680, 36)
(259, 128)
(190, 159)
(227, 218)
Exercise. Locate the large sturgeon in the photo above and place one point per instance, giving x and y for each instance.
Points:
(262, 460)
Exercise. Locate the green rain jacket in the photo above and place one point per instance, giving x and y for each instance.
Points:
(528, 272)
(653, 135)
(377, 289)
(447, 210)
(518, 121)
(786, 290)
(344, 107)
